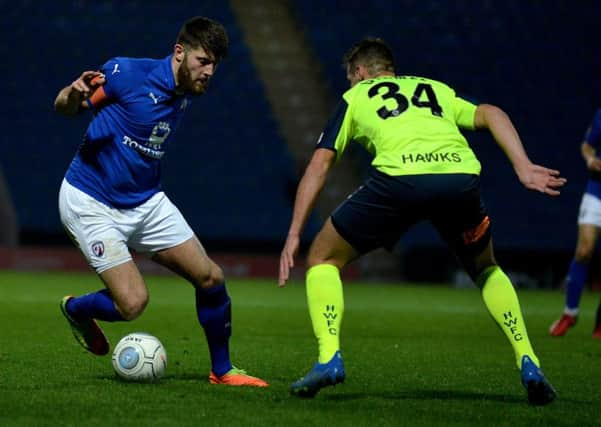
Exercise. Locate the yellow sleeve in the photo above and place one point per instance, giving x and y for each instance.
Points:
(465, 112)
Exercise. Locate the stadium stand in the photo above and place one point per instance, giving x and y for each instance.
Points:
(228, 168)
(535, 60)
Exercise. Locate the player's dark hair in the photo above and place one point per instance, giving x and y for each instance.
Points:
(206, 33)
(371, 52)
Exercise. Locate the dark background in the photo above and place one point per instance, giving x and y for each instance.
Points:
(229, 169)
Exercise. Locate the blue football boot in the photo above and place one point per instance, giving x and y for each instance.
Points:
(322, 375)
(540, 391)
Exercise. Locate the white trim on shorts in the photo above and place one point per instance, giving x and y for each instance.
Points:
(104, 234)
(590, 210)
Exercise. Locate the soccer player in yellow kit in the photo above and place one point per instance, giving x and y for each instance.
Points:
(422, 169)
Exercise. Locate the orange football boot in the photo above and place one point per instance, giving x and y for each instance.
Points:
(237, 377)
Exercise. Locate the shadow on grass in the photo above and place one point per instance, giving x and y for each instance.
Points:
(165, 379)
(430, 395)
(420, 394)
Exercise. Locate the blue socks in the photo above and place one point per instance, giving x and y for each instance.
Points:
(213, 307)
(96, 305)
(577, 275)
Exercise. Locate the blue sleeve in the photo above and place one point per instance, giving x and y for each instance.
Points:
(118, 74)
(593, 134)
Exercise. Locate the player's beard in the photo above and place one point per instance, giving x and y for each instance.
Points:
(184, 78)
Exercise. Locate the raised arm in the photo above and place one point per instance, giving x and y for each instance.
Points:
(71, 100)
(532, 176)
(309, 188)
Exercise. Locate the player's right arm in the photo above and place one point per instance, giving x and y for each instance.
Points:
(532, 176)
(72, 99)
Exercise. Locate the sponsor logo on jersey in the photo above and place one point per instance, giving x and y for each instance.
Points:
(153, 148)
(431, 157)
(147, 151)
(116, 69)
(98, 249)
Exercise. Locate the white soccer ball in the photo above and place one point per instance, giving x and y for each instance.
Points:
(140, 357)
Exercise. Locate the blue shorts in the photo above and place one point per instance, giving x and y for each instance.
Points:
(384, 207)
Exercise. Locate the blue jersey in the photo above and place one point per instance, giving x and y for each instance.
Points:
(136, 113)
(593, 138)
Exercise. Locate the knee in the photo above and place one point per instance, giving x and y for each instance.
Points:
(476, 269)
(584, 253)
(133, 305)
(317, 256)
(313, 260)
(212, 277)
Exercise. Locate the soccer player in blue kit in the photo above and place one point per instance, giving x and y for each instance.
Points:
(111, 200)
(589, 223)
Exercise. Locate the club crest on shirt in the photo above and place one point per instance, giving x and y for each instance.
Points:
(98, 248)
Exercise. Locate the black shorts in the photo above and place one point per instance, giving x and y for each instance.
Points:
(384, 207)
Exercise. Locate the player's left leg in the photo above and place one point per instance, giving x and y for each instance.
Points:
(168, 238)
(374, 216)
(213, 307)
(328, 254)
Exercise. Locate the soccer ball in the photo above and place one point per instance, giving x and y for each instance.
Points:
(139, 357)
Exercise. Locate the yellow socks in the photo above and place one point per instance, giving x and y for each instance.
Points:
(503, 305)
(326, 307)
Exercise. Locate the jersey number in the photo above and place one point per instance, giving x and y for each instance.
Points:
(392, 92)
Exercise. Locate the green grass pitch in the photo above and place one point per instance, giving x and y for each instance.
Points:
(415, 356)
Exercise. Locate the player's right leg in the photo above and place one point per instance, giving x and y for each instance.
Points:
(503, 305)
(465, 225)
(578, 271)
(124, 299)
(92, 227)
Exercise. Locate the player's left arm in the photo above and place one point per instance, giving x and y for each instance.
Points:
(532, 176)
(73, 99)
(330, 147)
(309, 188)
